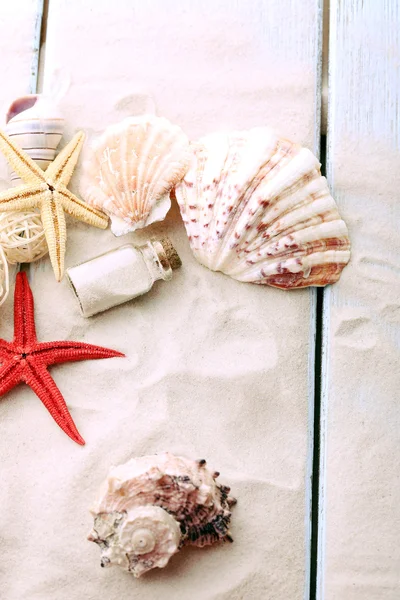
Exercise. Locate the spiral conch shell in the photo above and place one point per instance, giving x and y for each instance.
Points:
(256, 207)
(132, 169)
(35, 124)
(149, 507)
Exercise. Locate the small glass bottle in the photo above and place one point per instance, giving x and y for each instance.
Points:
(121, 274)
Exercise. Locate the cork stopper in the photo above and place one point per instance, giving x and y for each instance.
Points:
(171, 253)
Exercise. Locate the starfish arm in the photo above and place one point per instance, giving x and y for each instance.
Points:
(77, 208)
(55, 230)
(10, 375)
(61, 169)
(6, 349)
(42, 383)
(20, 198)
(51, 353)
(24, 318)
(19, 160)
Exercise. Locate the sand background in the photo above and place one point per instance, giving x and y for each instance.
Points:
(214, 369)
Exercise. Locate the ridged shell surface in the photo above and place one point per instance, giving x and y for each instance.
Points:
(151, 506)
(256, 207)
(132, 168)
(36, 125)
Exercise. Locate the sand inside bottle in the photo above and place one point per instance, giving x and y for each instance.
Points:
(110, 279)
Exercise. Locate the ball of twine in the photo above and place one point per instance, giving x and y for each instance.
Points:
(4, 280)
(22, 236)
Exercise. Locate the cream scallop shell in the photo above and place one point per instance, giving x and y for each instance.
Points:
(256, 207)
(132, 169)
(149, 507)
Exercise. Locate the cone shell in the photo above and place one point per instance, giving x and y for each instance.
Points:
(150, 507)
(256, 207)
(132, 169)
(36, 125)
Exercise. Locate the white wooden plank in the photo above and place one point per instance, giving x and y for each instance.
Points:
(360, 484)
(20, 22)
(205, 65)
(19, 47)
(20, 26)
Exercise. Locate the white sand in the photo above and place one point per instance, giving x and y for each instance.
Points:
(199, 379)
(215, 369)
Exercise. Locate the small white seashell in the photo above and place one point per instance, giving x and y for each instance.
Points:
(36, 125)
(256, 207)
(151, 506)
(132, 169)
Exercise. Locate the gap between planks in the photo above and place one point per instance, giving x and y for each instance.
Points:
(42, 50)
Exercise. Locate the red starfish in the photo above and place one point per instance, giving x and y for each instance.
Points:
(26, 360)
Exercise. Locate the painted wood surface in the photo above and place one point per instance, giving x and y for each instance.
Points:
(205, 65)
(20, 27)
(20, 23)
(360, 485)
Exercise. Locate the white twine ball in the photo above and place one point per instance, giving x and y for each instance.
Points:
(22, 236)
(4, 279)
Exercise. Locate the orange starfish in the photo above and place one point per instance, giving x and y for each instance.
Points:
(26, 360)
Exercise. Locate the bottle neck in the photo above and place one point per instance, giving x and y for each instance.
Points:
(156, 260)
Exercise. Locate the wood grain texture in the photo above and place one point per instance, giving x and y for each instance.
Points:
(207, 65)
(360, 483)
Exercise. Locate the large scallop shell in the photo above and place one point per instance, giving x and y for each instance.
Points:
(256, 207)
(132, 169)
(149, 507)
